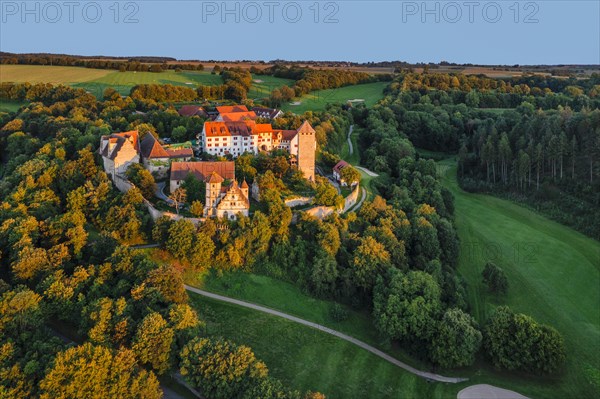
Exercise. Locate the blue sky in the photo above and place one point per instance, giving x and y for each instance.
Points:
(482, 32)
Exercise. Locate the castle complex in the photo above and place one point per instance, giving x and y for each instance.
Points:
(235, 132)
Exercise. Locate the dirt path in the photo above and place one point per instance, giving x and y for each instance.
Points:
(361, 344)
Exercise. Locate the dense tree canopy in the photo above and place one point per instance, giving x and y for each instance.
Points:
(90, 372)
(514, 341)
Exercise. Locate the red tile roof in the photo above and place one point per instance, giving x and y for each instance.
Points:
(306, 128)
(119, 139)
(151, 148)
(180, 153)
(216, 129)
(202, 170)
(238, 116)
(225, 109)
(340, 165)
(215, 178)
(287, 135)
(192, 110)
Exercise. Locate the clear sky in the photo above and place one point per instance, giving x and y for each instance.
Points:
(482, 32)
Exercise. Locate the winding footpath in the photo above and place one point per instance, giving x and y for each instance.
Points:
(350, 147)
(361, 344)
(351, 151)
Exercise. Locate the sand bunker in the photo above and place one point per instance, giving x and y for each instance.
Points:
(488, 392)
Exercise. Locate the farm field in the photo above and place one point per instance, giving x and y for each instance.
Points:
(97, 80)
(318, 100)
(553, 274)
(49, 74)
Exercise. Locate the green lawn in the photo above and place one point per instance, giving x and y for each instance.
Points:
(317, 100)
(263, 85)
(11, 105)
(307, 359)
(553, 273)
(124, 81)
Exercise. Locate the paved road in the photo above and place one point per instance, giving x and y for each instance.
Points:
(360, 202)
(143, 246)
(350, 148)
(363, 345)
(160, 193)
(351, 151)
(367, 171)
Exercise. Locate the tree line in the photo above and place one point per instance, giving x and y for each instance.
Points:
(137, 65)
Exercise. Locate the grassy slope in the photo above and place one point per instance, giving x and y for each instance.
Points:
(266, 86)
(553, 273)
(317, 100)
(305, 358)
(49, 74)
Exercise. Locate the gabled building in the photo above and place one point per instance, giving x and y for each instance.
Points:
(200, 170)
(119, 151)
(224, 196)
(192, 110)
(226, 201)
(157, 159)
(235, 138)
(268, 113)
(337, 172)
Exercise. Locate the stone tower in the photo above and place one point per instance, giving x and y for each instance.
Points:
(307, 146)
(213, 192)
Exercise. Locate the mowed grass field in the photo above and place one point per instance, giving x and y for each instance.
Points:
(124, 81)
(308, 359)
(318, 100)
(553, 273)
(263, 85)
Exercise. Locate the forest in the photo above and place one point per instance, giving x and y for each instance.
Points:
(534, 140)
(83, 312)
(69, 266)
